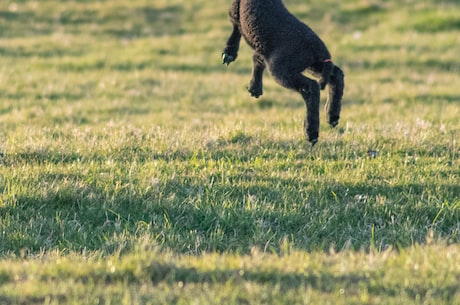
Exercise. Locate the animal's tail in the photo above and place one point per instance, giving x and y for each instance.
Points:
(326, 73)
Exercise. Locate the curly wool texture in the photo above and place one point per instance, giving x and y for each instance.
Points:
(267, 26)
(288, 47)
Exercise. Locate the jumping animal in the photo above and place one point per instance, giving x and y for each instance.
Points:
(288, 47)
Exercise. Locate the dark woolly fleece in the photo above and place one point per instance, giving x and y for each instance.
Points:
(288, 47)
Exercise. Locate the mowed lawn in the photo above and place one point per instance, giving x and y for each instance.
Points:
(135, 168)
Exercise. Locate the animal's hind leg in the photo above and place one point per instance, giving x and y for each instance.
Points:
(326, 73)
(335, 92)
(309, 89)
(334, 99)
(255, 85)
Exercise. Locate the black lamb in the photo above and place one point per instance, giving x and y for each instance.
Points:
(288, 47)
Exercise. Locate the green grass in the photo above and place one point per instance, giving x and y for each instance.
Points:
(136, 169)
(146, 276)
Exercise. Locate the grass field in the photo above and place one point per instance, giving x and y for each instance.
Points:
(135, 168)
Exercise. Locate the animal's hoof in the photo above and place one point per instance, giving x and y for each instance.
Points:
(334, 123)
(313, 142)
(312, 136)
(255, 88)
(227, 59)
(255, 93)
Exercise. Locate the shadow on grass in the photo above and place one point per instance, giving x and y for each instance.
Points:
(220, 210)
(418, 65)
(155, 21)
(361, 16)
(427, 99)
(432, 22)
(324, 281)
(119, 20)
(351, 283)
(140, 65)
(53, 51)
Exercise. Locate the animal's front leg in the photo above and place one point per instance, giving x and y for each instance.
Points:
(334, 100)
(230, 52)
(255, 85)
